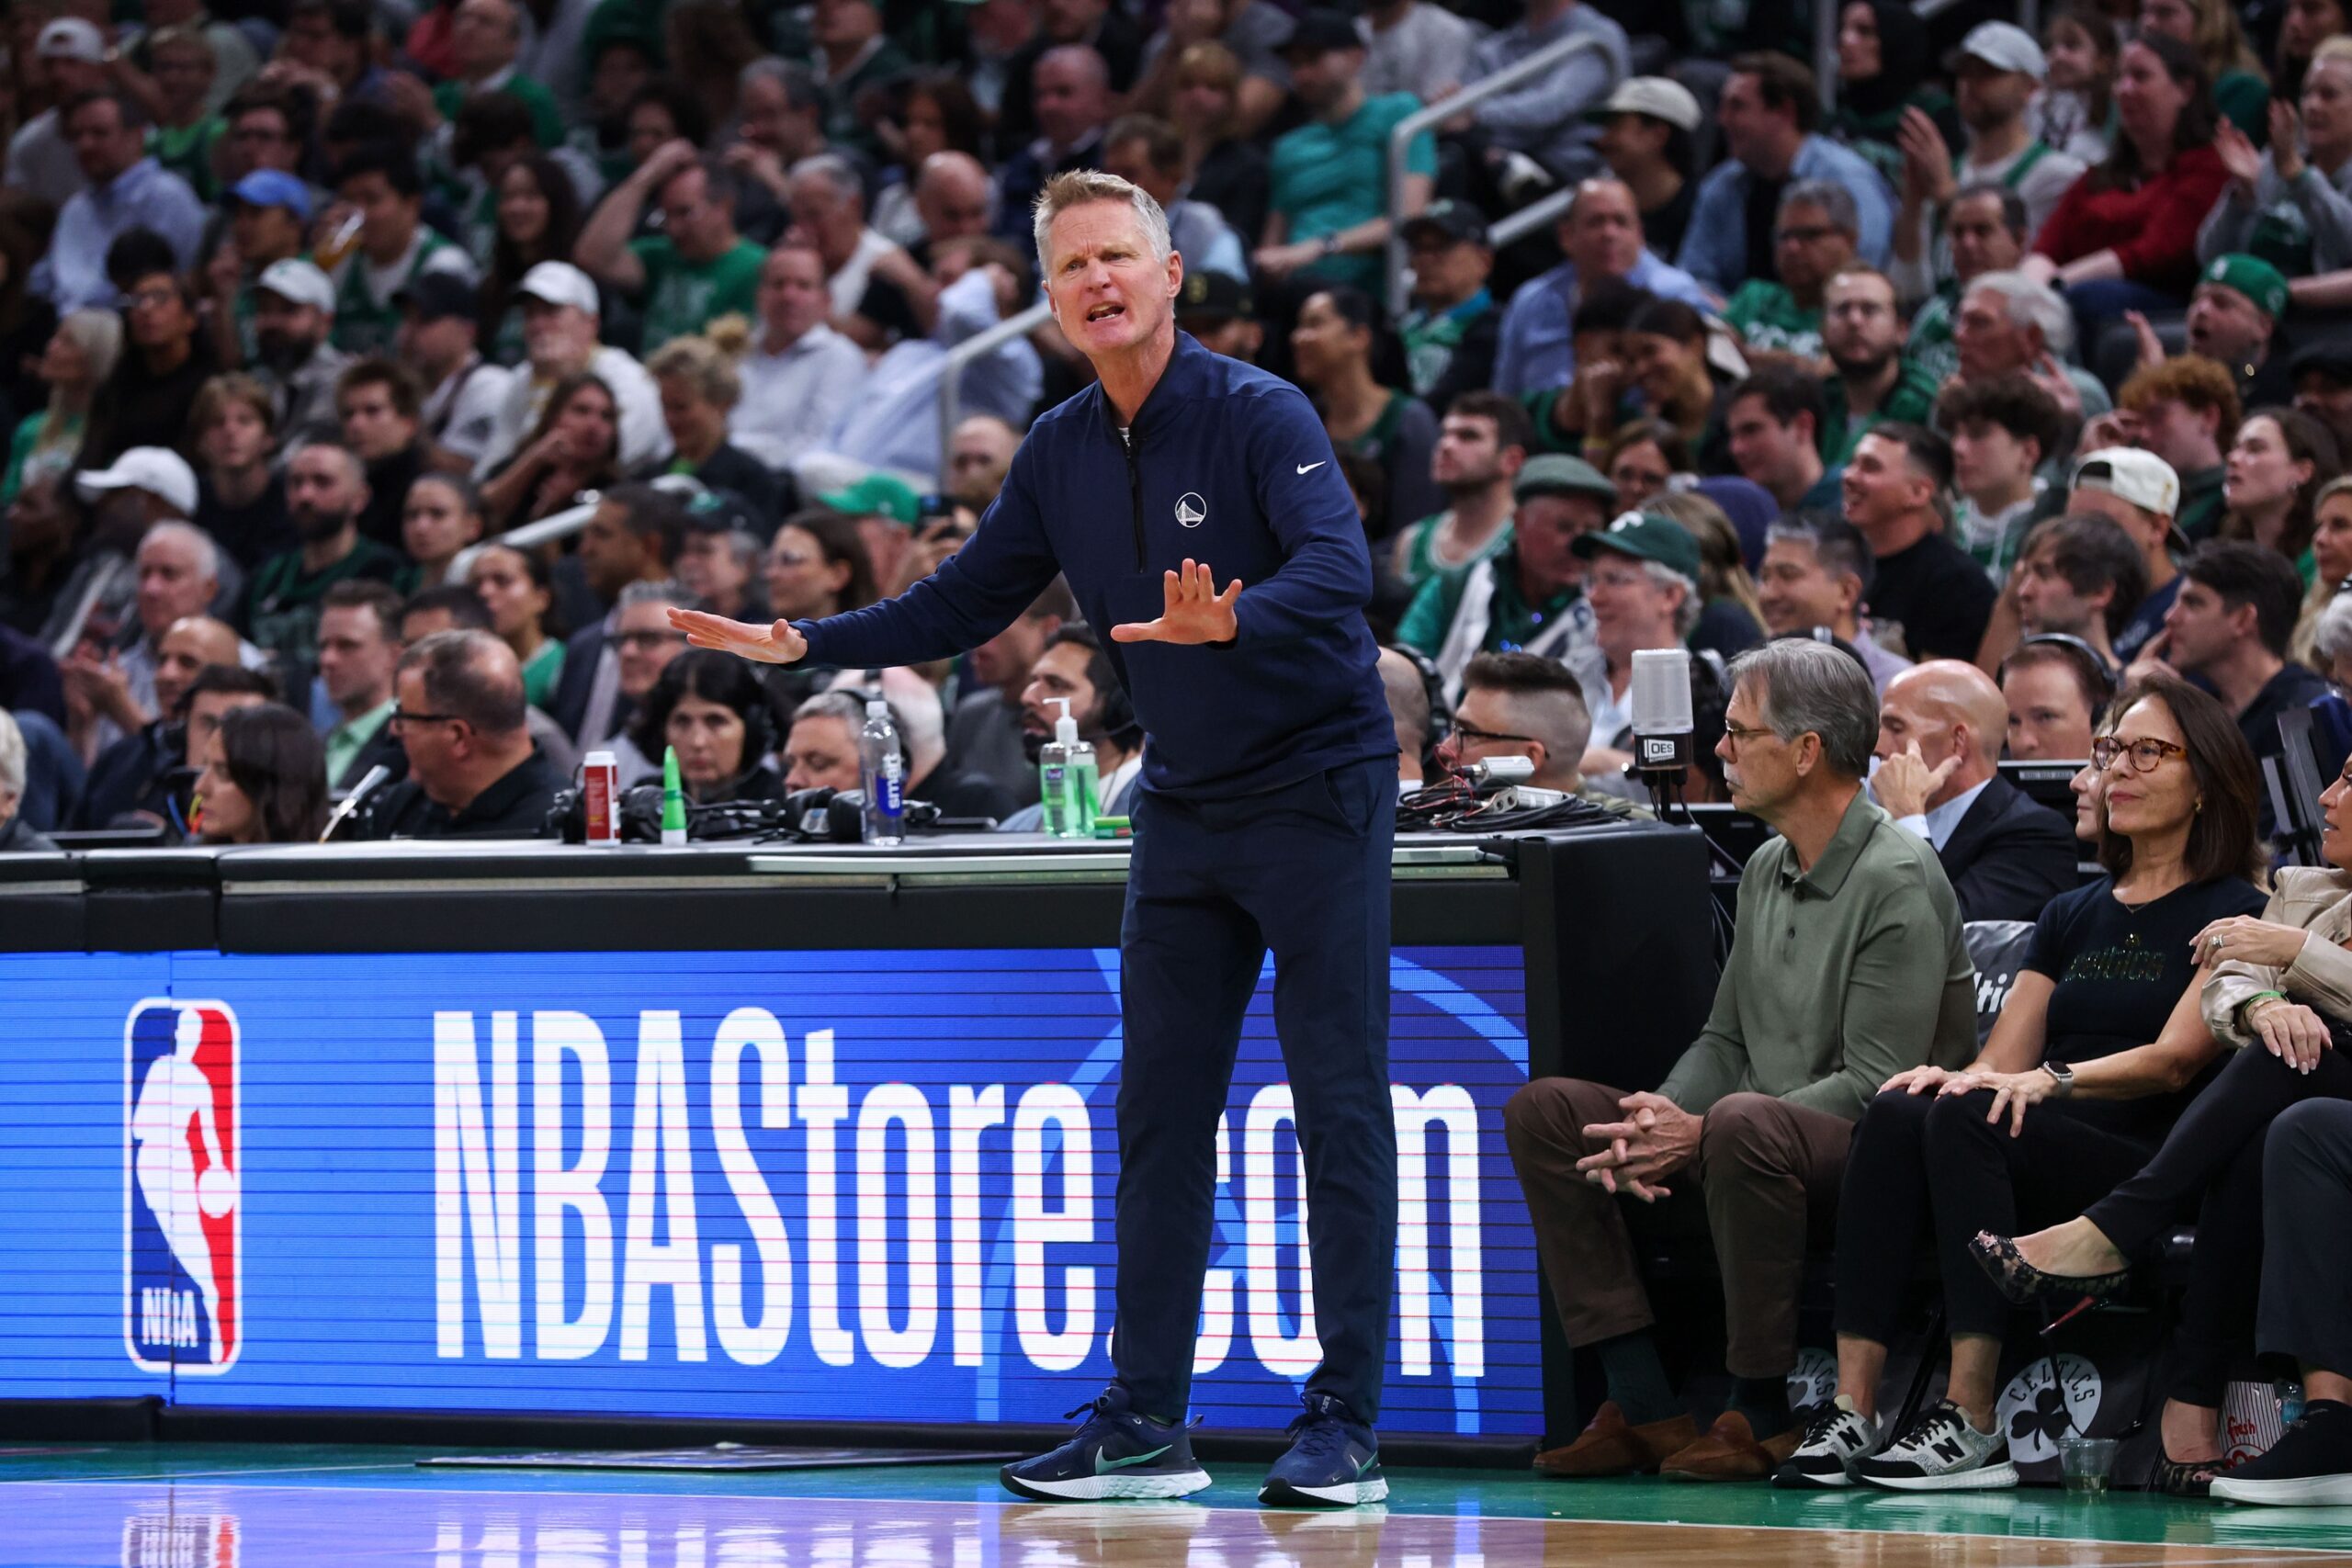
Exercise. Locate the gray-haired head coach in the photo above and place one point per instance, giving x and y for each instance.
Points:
(1264, 821)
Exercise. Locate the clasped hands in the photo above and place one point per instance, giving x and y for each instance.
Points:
(1657, 1139)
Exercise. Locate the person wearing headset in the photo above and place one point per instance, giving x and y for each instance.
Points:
(1072, 665)
(2056, 686)
(1415, 690)
(714, 709)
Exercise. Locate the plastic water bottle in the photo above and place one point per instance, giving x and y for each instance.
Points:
(884, 772)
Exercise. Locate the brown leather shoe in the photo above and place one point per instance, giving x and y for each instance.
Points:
(1730, 1452)
(1611, 1446)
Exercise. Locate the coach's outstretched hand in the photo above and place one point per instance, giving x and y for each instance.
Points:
(778, 644)
(1196, 612)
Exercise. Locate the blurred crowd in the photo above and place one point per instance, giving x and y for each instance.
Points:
(328, 326)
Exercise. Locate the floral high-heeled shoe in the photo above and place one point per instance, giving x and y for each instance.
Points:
(2028, 1286)
(2186, 1477)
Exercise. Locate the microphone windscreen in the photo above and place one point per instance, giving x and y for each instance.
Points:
(1661, 691)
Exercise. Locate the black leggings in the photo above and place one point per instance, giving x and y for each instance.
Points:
(2213, 1157)
(1982, 1179)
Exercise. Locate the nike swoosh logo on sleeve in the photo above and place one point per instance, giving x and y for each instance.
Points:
(1309, 467)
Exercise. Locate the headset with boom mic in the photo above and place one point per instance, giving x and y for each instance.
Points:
(370, 783)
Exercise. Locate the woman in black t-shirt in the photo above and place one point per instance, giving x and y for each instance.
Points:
(2097, 1049)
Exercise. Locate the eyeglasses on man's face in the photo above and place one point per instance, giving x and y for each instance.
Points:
(2145, 755)
(1471, 734)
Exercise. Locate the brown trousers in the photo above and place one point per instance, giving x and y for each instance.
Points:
(1764, 1183)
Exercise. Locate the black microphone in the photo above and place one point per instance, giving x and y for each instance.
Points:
(370, 783)
(1662, 715)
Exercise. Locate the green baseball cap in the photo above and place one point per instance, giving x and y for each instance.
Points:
(2253, 277)
(1645, 535)
(876, 495)
(1554, 473)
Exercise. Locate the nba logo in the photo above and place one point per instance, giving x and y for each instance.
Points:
(183, 1249)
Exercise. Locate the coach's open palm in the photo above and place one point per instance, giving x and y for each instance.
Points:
(1194, 612)
(778, 644)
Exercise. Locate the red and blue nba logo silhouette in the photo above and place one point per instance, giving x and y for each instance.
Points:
(183, 1251)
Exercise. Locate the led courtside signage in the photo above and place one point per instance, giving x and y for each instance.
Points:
(825, 1186)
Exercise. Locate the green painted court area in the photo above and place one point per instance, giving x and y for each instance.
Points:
(256, 1505)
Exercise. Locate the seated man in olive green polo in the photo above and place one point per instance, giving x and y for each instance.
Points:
(1845, 969)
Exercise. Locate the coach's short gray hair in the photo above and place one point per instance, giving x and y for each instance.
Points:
(1801, 685)
(2031, 304)
(1079, 186)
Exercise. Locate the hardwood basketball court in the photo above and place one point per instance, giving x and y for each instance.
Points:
(275, 1507)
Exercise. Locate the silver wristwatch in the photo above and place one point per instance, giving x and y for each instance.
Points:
(2062, 1078)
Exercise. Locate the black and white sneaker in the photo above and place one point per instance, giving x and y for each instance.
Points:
(1940, 1452)
(1837, 1438)
(2309, 1466)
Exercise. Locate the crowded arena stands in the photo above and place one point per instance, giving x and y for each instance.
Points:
(1962, 386)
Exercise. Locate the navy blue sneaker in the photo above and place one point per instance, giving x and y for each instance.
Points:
(1334, 1461)
(1115, 1452)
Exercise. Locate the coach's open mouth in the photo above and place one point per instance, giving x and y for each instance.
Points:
(1104, 312)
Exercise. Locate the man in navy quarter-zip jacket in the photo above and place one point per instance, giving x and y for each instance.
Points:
(1264, 821)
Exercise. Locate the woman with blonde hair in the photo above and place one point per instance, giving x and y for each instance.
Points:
(2302, 226)
(1223, 168)
(2332, 564)
(1731, 616)
(80, 356)
(699, 387)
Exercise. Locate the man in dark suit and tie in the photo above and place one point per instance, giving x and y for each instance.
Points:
(1939, 731)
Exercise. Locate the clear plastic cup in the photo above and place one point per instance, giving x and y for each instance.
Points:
(2086, 1464)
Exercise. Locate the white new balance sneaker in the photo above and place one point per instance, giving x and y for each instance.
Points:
(1838, 1437)
(1940, 1452)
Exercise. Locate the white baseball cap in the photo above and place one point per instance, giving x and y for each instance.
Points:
(559, 283)
(2004, 46)
(300, 282)
(158, 470)
(71, 38)
(1659, 97)
(2141, 478)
